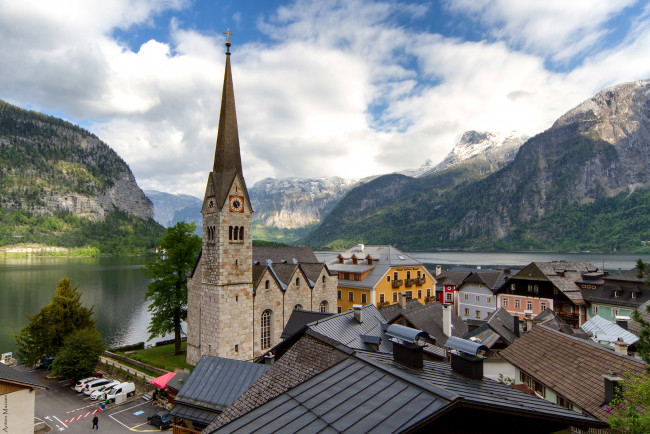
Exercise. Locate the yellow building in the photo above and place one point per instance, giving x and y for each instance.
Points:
(377, 274)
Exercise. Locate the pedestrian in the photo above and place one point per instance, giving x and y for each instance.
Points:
(96, 423)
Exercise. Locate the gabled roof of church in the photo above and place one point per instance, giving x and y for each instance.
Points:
(227, 156)
(284, 254)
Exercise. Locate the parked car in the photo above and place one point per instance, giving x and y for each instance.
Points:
(101, 391)
(79, 386)
(91, 386)
(94, 376)
(161, 420)
(85, 385)
(127, 388)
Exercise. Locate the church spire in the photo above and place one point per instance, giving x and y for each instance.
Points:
(227, 157)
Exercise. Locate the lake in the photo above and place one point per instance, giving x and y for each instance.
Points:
(116, 286)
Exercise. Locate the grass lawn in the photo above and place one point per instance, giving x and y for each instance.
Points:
(162, 357)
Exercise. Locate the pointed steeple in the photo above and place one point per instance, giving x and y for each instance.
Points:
(227, 156)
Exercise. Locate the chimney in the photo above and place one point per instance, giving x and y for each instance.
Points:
(408, 354)
(406, 349)
(612, 381)
(464, 357)
(515, 325)
(401, 298)
(269, 359)
(446, 319)
(438, 270)
(360, 247)
(620, 346)
(529, 319)
(358, 313)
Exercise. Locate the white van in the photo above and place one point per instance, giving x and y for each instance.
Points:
(91, 386)
(101, 391)
(126, 389)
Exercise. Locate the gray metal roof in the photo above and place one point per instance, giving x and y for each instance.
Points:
(344, 328)
(369, 392)
(351, 396)
(606, 332)
(300, 318)
(484, 393)
(13, 375)
(216, 382)
(193, 413)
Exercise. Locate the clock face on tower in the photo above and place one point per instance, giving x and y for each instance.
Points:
(211, 206)
(236, 204)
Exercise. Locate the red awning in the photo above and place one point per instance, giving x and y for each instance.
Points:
(163, 380)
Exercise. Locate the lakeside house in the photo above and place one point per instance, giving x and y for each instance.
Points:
(377, 275)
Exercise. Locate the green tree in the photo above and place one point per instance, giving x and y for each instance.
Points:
(173, 261)
(79, 354)
(629, 409)
(643, 344)
(46, 331)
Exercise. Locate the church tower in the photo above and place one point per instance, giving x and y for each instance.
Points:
(220, 289)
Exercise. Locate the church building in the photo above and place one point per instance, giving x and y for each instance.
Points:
(240, 298)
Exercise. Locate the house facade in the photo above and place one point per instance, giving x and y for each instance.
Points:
(17, 400)
(547, 285)
(448, 282)
(614, 296)
(377, 275)
(477, 297)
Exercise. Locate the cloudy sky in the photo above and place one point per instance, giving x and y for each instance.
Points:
(348, 88)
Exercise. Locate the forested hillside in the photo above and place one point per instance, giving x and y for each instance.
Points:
(61, 186)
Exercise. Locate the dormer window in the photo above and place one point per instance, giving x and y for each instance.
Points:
(340, 259)
(369, 260)
(355, 261)
(617, 293)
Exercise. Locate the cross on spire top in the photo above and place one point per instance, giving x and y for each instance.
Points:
(228, 34)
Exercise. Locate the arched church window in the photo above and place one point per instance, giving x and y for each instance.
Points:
(230, 233)
(298, 306)
(267, 284)
(297, 281)
(241, 233)
(235, 233)
(323, 306)
(265, 328)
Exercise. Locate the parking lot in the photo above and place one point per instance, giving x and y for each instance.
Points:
(65, 410)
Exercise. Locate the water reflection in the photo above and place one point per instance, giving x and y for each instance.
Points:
(115, 287)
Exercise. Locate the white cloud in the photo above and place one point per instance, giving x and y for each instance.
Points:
(555, 28)
(346, 88)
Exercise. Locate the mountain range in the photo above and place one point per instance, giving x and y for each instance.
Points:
(580, 185)
(289, 208)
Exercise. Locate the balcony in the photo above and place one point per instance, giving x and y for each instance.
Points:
(421, 280)
(397, 283)
(410, 282)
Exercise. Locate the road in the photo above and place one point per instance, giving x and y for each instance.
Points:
(67, 411)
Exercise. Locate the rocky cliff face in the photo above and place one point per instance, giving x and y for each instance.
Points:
(594, 151)
(296, 202)
(50, 165)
